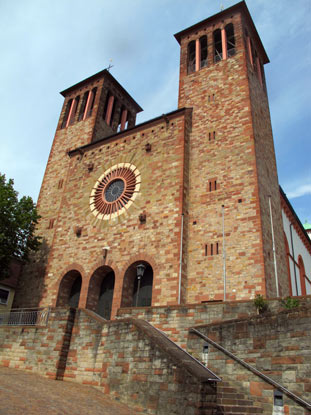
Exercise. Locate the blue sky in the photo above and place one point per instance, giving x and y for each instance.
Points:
(47, 46)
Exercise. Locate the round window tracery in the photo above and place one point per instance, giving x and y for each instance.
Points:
(115, 191)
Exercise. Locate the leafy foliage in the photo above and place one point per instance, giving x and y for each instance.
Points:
(18, 219)
(260, 303)
(290, 303)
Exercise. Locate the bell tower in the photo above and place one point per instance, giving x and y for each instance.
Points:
(236, 243)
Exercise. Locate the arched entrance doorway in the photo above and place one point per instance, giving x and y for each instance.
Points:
(69, 289)
(137, 285)
(100, 293)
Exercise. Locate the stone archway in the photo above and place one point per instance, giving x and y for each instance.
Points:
(100, 291)
(137, 292)
(69, 289)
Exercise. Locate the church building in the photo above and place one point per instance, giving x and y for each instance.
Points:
(182, 209)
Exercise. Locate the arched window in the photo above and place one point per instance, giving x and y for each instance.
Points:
(302, 274)
(203, 51)
(191, 57)
(217, 45)
(230, 39)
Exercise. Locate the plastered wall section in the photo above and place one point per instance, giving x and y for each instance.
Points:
(299, 249)
(221, 101)
(160, 198)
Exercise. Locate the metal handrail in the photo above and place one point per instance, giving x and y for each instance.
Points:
(266, 378)
(25, 317)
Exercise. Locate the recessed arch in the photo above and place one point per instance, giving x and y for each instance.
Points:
(100, 291)
(230, 39)
(191, 57)
(217, 45)
(137, 291)
(302, 274)
(69, 289)
(288, 265)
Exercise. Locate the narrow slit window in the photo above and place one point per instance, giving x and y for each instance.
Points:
(66, 115)
(212, 249)
(215, 185)
(210, 186)
(74, 110)
(60, 183)
(203, 50)
(94, 90)
(51, 224)
(113, 111)
(217, 45)
(209, 136)
(230, 39)
(217, 248)
(205, 250)
(83, 105)
(106, 104)
(191, 57)
(254, 55)
(256, 64)
(214, 135)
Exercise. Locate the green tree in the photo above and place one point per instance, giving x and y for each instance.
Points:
(18, 219)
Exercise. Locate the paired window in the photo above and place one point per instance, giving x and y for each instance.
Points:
(224, 43)
(212, 185)
(197, 54)
(83, 109)
(212, 249)
(111, 108)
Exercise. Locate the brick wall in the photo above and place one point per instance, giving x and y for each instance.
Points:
(277, 344)
(38, 349)
(127, 359)
(176, 320)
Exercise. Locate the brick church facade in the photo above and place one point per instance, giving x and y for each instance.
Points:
(158, 236)
(190, 197)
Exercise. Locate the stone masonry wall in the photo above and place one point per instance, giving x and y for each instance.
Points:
(129, 365)
(277, 344)
(157, 241)
(129, 360)
(221, 101)
(176, 320)
(40, 349)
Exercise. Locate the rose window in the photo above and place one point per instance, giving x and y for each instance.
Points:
(115, 191)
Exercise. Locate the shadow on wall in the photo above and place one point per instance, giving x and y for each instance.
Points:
(30, 290)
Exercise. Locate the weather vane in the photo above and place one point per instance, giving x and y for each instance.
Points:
(109, 66)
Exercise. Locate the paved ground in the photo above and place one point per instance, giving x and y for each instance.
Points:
(24, 393)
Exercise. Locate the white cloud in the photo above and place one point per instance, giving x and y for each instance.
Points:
(302, 190)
